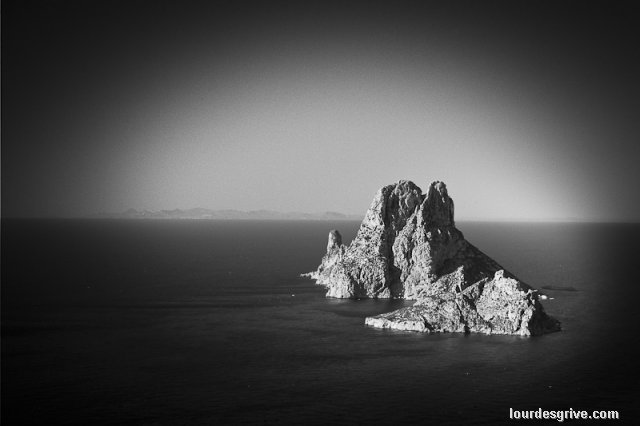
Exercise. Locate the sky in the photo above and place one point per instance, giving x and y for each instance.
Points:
(527, 110)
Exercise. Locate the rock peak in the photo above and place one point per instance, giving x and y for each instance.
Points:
(438, 206)
(335, 240)
(408, 247)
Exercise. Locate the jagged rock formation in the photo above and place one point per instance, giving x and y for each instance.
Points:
(408, 247)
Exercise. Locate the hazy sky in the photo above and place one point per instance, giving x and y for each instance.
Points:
(527, 110)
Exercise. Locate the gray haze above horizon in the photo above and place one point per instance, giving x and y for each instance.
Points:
(524, 113)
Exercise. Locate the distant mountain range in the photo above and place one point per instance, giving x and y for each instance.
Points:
(200, 213)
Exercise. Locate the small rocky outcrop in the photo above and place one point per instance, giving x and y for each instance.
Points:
(408, 247)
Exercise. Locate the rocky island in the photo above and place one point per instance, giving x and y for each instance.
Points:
(408, 247)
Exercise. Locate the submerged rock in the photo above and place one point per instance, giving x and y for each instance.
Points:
(408, 247)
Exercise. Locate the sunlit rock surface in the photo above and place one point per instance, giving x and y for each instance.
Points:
(408, 247)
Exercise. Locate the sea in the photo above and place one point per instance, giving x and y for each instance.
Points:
(203, 322)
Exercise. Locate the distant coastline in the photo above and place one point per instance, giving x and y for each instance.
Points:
(208, 214)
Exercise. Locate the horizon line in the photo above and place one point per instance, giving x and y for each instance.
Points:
(348, 218)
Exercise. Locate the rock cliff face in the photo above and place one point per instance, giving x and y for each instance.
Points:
(408, 247)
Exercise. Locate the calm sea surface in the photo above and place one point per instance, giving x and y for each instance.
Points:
(207, 322)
